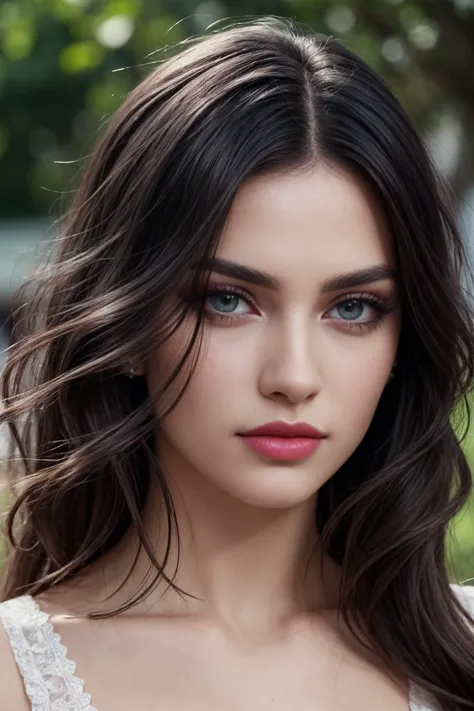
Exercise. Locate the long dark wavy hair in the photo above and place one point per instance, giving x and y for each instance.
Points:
(254, 98)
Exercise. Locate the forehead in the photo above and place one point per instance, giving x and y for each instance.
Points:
(313, 222)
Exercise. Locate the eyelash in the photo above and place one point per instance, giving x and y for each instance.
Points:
(380, 305)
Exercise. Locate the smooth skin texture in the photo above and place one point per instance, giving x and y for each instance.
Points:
(261, 634)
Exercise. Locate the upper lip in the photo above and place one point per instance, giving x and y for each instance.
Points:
(285, 429)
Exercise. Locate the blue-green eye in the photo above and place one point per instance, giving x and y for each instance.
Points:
(225, 302)
(351, 310)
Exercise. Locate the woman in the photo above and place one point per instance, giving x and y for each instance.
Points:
(233, 405)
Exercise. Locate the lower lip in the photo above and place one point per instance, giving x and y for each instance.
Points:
(283, 449)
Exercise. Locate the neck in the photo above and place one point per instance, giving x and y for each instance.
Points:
(250, 569)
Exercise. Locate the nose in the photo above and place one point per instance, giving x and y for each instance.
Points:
(290, 369)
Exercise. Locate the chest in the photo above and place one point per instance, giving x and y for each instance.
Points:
(179, 670)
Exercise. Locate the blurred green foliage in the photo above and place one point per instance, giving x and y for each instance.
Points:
(460, 540)
(65, 65)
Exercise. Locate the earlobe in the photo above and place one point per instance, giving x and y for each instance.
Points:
(133, 369)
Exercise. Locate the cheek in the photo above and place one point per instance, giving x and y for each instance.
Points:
(218, 373)
(223, 375)
(367, 378)
(357, 386)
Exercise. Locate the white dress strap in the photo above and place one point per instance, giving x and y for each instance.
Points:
(48, 675)
(465, 595)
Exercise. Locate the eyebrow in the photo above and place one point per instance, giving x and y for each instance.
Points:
(368, 275)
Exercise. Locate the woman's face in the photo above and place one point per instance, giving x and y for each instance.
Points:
(298, 346)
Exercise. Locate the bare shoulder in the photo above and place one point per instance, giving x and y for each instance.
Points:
(12, 692)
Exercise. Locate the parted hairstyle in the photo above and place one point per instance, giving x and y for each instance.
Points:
(254, 98)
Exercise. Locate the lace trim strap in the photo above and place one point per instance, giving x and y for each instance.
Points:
(48, 674)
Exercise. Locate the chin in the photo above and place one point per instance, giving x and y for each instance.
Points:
(275, 492)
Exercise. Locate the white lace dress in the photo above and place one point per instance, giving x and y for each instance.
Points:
(49, 676)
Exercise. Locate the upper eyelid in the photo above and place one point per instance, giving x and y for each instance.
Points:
(231, 288)
(370, 296)
(360, 295)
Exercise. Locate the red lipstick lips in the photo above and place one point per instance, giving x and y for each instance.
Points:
(285, 429)
(284, 441)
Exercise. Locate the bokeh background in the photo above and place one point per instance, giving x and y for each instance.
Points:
(65, 65)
